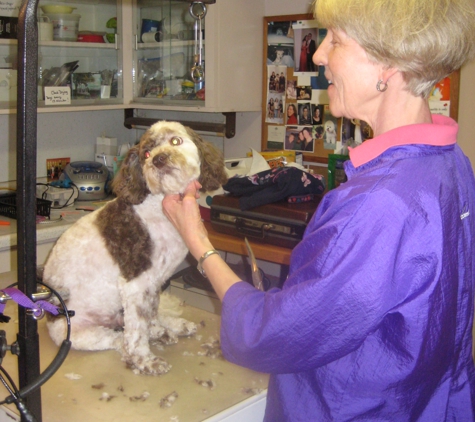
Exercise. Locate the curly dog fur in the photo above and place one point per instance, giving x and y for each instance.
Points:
(110, 265)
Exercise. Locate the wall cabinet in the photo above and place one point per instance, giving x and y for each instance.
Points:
(57, 58)
(149, 73)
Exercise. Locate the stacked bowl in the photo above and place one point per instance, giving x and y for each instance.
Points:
(65, 23)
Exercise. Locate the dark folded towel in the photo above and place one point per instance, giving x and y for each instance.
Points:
(273, 185)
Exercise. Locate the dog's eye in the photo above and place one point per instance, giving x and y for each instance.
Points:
(175, 141)
(147, 154)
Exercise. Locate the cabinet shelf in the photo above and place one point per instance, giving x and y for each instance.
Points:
(70, 44)
(228, 128)
(166, 44)
(65, 44)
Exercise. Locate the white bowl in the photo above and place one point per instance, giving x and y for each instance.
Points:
(57, 8)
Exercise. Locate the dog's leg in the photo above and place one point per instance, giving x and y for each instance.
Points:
(167, 326)
(85, 336)
(140, 308)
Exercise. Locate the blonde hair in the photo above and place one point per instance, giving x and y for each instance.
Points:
(425, 39)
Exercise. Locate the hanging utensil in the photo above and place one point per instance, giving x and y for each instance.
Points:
(198, 12)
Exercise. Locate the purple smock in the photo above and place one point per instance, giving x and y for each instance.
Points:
(374, 322)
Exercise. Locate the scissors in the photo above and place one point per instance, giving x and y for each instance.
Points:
(256, 274)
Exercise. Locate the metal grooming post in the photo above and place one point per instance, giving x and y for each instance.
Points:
(29, 359)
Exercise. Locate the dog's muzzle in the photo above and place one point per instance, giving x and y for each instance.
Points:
(160, 160)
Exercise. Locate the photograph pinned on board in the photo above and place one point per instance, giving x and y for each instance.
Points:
(304, 92)
(318, 131)
(305, 45)
(306, 136)
(280, 44)
(291, 136)
(305, 114)
(291, 89)
(299, 138)
(275, 109)
(317, 114)
(291, 114)
(353, 133)
(276, 77)
(330, 129)
(279, 55)
(275, 137)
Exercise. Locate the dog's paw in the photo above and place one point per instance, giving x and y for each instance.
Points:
(177, 326)
(147, 365)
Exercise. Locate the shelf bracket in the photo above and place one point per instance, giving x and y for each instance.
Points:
(227, 129)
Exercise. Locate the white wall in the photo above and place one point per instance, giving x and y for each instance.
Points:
(61, 135)
(466, 120)
(286, 7)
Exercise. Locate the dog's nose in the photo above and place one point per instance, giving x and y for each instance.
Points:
(160, 160)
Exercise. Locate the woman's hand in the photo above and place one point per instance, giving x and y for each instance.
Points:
(184, 213)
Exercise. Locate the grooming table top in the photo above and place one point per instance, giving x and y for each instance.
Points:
(96, 386)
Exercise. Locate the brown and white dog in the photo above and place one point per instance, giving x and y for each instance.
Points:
(109, 266)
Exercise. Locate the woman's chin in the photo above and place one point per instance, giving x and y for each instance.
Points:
(334, 110)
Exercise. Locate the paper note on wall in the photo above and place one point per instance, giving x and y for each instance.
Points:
(57, 95)
(10, 7)
(440, 107)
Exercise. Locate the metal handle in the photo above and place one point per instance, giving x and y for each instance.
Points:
(258, 232)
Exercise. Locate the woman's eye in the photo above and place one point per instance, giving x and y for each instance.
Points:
(175, 141)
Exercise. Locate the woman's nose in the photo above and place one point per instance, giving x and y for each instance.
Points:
(320, 56)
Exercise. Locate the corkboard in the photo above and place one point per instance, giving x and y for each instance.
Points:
(284, 33)
(275, 130)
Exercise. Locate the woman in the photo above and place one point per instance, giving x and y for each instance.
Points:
(317, 116)
(290, 142)
(374, 322)
(270, 108)
(305, 118)
(307, 139)
(303, 55)
(291, 114)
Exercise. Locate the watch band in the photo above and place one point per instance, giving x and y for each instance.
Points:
(202, 259)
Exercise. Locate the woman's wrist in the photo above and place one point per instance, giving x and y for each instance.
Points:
(200, 247)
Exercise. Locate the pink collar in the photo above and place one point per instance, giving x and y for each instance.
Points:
(443, 131)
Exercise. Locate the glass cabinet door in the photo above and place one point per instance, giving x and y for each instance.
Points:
(78, 55)
(170, 49)
(84, 53)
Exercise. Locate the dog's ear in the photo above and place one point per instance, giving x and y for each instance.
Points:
(129, 182)
(213, 173)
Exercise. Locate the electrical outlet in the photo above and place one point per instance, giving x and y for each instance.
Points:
(55, 166)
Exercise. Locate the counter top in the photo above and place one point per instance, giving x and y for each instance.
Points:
(96, 386)
(48, 230)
